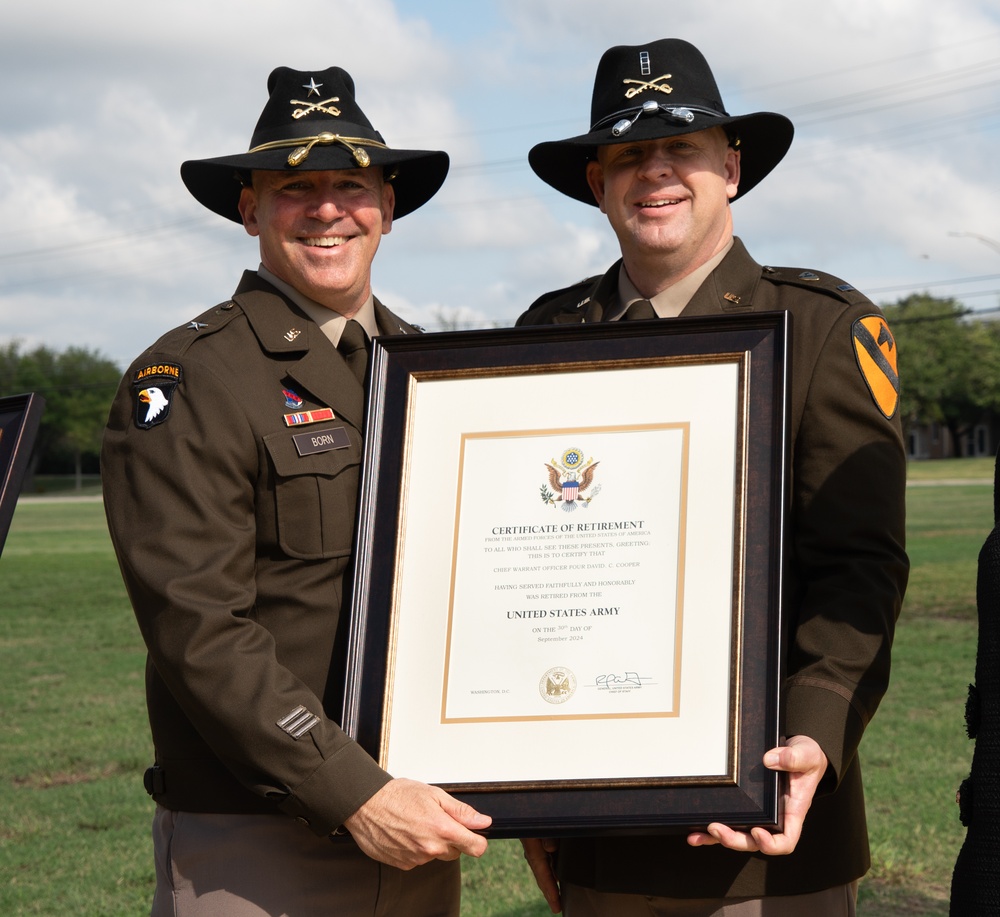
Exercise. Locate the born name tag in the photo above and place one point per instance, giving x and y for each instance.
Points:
(322, 440)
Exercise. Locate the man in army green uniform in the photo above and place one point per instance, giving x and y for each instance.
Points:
(230, 469)
(663, 160)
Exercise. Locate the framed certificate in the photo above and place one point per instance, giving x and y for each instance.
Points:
(567, 594)
(20, 416)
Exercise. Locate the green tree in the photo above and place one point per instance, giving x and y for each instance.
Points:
(87, 384)
(949, 366)
(985, 367)
(77, 385)
(21, 373)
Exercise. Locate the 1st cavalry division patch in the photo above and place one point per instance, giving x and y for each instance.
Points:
(154, 386)
(875, 349)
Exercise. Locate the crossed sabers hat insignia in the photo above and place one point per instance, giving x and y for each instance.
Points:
(643, 85)
(311, 107)
(325, 131)
(625, 76)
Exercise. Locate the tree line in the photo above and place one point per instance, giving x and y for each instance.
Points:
(949, 363)
(949, 366)
(78, 385)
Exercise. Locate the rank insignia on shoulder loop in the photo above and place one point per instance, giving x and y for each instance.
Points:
(154, 386)
(875, 349)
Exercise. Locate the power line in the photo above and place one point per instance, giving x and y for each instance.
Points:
(107, 241)
(125, 270)
(934, 283)
(865, 97)
(857, 68)
(854, 104)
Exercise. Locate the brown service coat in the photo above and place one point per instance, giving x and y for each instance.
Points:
(846, 574)
(234, 548)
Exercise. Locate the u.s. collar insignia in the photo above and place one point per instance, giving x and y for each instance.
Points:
(875, 349)
(154, 386)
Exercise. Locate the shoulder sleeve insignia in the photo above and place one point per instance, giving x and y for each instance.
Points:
(153, 387)
(875, 349)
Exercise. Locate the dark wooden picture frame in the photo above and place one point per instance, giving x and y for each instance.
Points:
(745, 793)
(20, 416)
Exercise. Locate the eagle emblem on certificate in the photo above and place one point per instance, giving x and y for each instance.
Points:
(571, 481)
(557, 685)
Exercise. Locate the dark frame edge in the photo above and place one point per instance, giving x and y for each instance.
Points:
(27, 412)
(755, 798)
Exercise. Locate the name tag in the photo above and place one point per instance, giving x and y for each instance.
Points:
(322, 440)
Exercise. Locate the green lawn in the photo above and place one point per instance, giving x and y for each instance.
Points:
(74, 835)
(951, 469)
(916, 752)
(73, 839)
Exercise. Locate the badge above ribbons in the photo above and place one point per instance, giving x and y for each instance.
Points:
(875, 349)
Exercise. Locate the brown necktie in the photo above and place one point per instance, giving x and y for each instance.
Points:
(641, 308)
(353, 347)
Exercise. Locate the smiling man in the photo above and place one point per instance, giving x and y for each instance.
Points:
(321, 229)
(230, 470)
(663, 160)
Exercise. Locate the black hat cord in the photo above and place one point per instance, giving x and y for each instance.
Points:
(625, 118)
(305, 144)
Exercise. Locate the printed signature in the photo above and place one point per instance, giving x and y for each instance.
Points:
(627, 678)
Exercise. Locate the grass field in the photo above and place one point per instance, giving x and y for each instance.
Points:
(74, 828)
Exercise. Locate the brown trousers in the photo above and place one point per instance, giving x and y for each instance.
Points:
(585, 902)
(270, 866)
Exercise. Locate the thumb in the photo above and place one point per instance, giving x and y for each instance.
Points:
(463, 813)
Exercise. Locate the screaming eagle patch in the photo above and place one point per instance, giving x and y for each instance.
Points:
(875, 349)
(154, 386)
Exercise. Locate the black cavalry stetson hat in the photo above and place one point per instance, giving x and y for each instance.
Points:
(312, 122)
(661, 89)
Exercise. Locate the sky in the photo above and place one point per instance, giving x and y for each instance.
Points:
(891, 182)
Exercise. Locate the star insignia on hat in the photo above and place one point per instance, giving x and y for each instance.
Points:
(295, 130)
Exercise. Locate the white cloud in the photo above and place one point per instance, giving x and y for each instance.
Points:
(100, 110)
